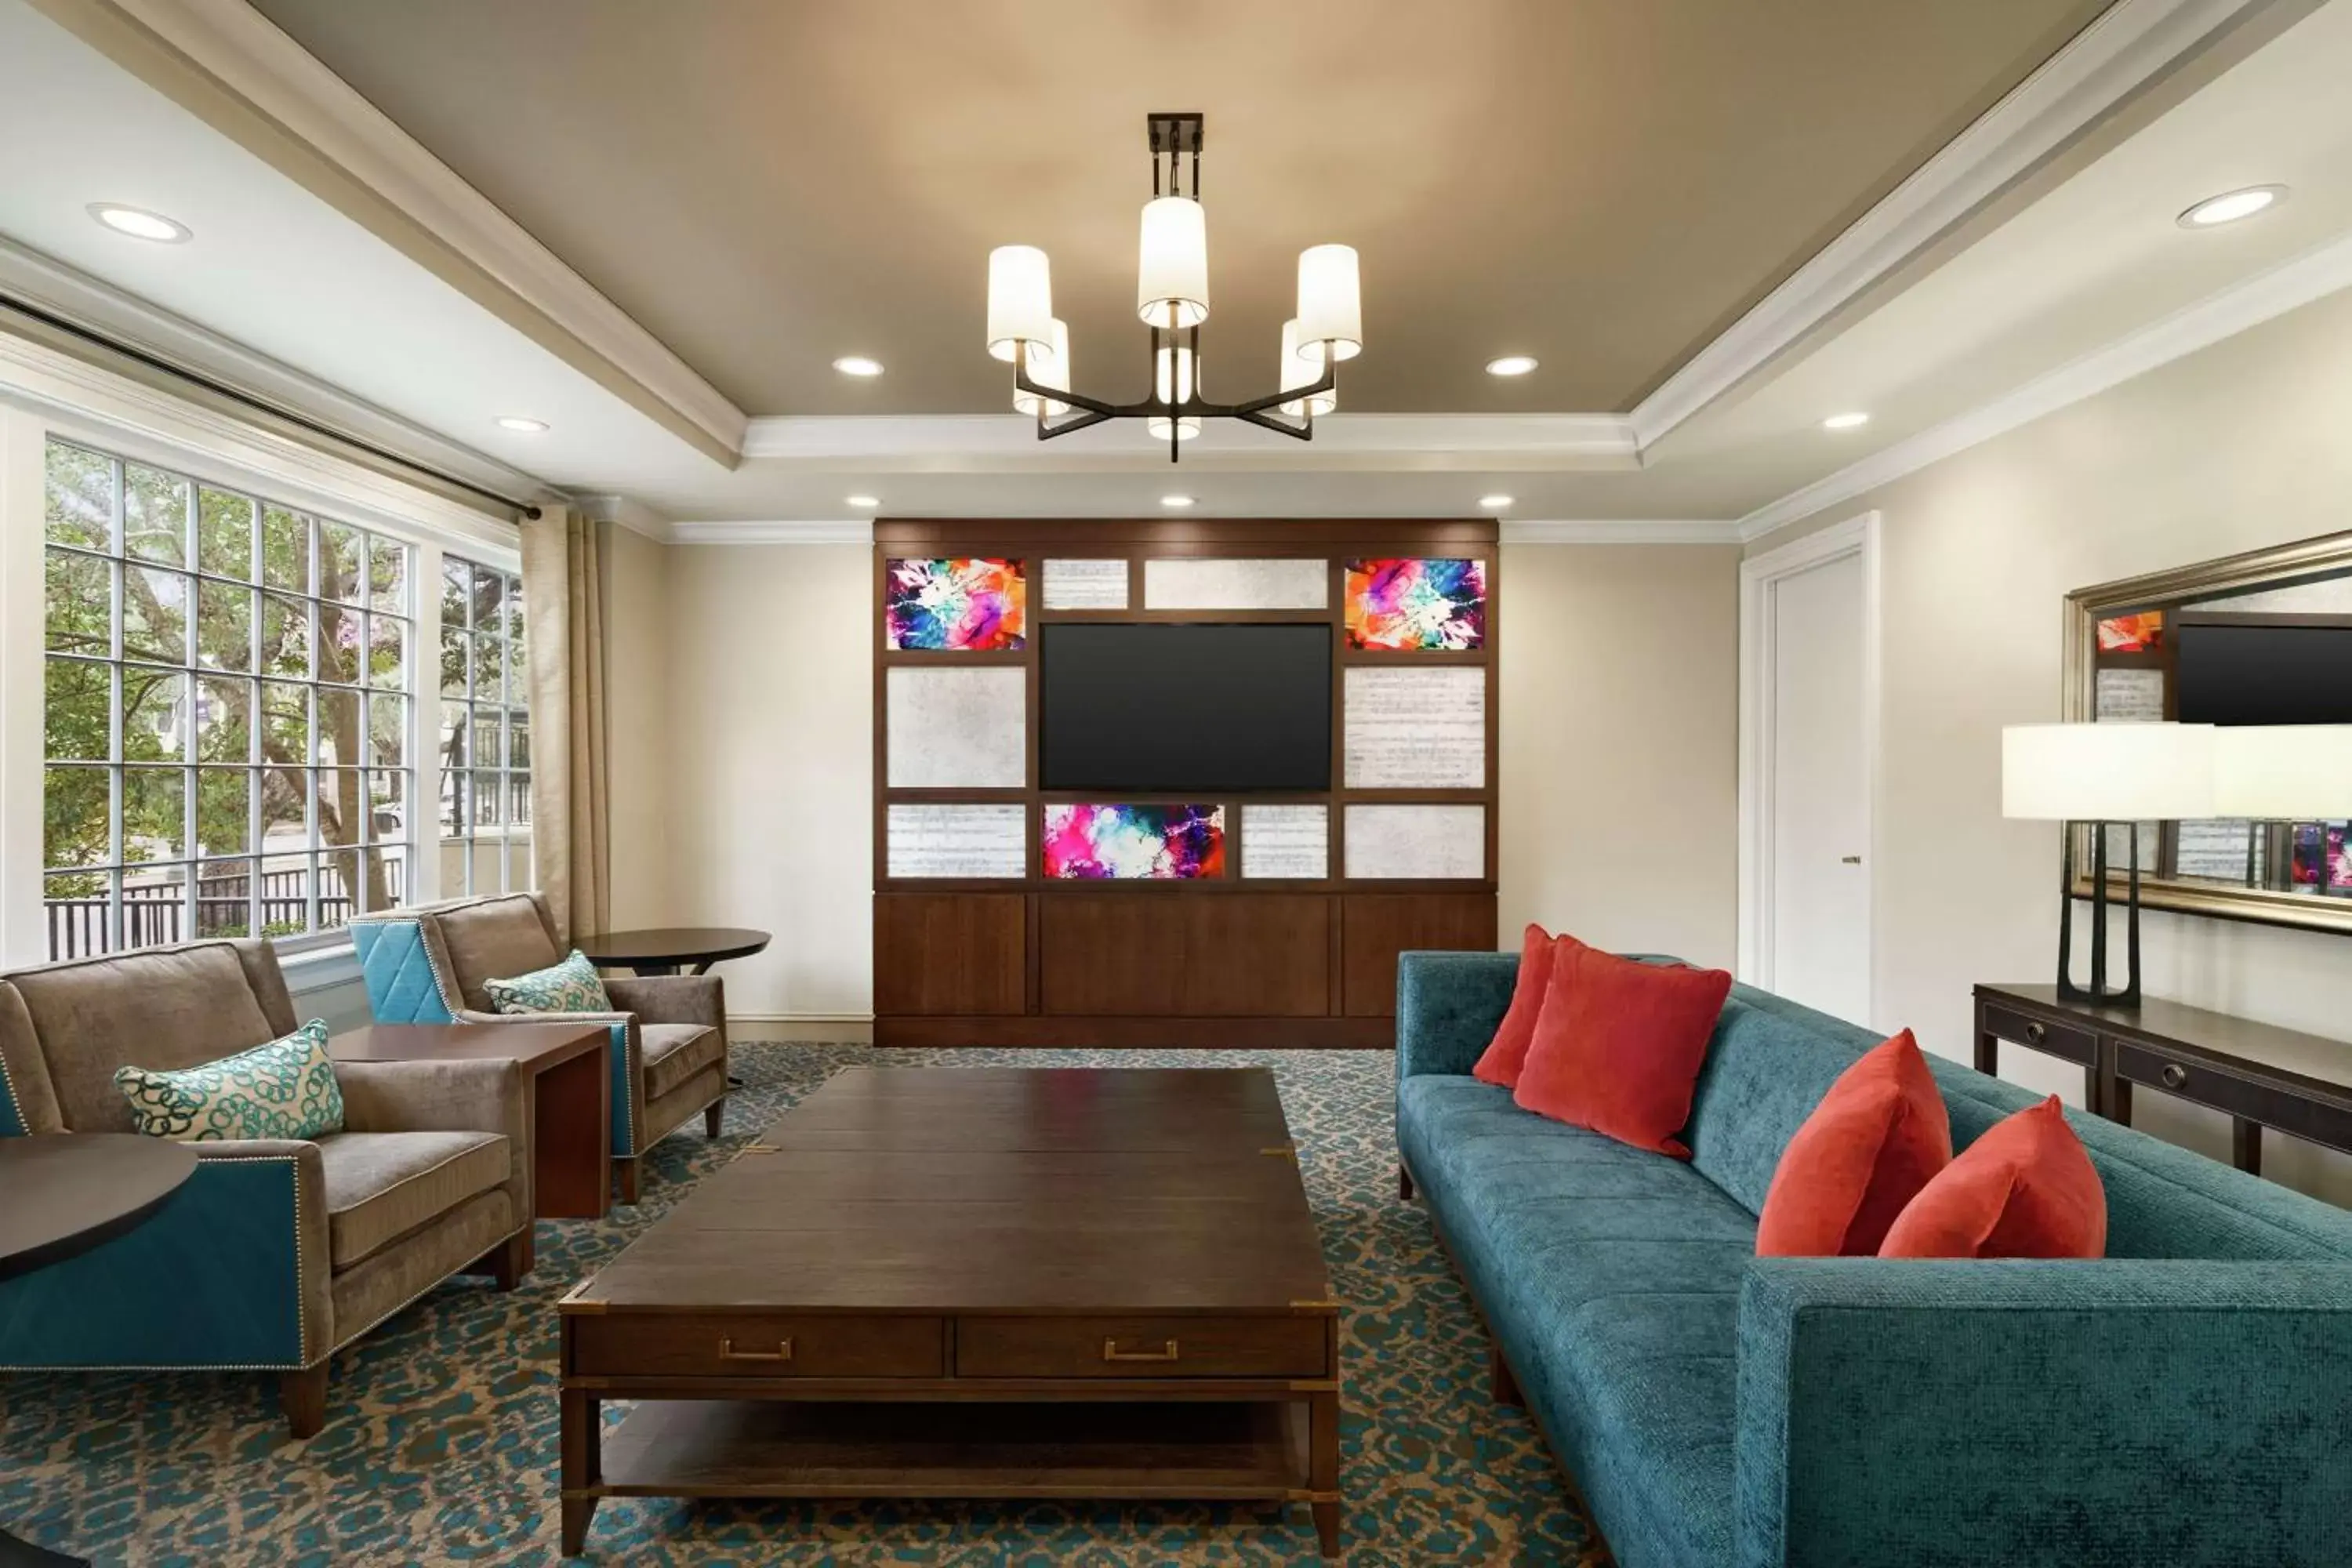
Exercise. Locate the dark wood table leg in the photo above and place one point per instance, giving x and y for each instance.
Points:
(581, 1441)
(2246, 1146)
(1323, 1465)
(2119, 1096)
(1988, 1054)
(571, 1134)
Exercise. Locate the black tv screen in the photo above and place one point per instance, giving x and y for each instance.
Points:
(1164, 708)
(2282, 672)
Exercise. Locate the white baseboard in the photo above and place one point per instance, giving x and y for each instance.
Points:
(824, 1028)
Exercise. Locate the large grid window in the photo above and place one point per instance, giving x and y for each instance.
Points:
(484, 736)
(227, 712)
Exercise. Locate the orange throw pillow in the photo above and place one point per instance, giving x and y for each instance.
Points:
(1618, 1046)
(2026, 1189)
(1878, 1136)
(1506, 1053)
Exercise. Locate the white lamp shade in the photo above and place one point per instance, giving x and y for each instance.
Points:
(1175, 378)
(1302, 366)
(2284, 773)
(1156, 427)
(1049, 365)
(1020, 300)
(1331, 302)
(1173, 275)
(2106, 773)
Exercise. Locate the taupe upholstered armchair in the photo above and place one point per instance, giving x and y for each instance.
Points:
(430, 966)
(277, 1252)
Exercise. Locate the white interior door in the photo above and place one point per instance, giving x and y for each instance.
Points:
(1818, 900)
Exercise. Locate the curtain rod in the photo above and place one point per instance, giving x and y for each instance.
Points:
(260, 404)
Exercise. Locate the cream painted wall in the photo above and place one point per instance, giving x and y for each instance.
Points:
(641, 764)
(1620, 745)
(768, 776)
(2240, 446)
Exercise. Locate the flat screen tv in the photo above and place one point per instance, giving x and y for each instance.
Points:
(1164, 708)
(2276, 670)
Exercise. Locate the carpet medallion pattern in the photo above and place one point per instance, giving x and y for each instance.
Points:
(440, 1443)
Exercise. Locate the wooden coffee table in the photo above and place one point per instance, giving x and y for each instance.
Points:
(973, 1283)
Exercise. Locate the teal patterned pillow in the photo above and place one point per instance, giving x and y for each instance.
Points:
(286, 1089)
(570, 986)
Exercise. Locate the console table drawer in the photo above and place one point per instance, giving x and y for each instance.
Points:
(1140, 1347)
(756, 1344)
(2292, 1114)
(2061, 1040)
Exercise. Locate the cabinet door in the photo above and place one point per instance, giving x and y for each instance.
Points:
(1375, 926)
(1185, 955)
(950, 953)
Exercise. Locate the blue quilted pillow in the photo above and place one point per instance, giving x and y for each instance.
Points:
(286, 1089)
(570, 986)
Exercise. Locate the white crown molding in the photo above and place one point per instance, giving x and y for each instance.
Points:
(1627, 531)
(626, 511)
(959, 442)
(226, 62)
(2128, 47)
(2311, 276)
(854, 531)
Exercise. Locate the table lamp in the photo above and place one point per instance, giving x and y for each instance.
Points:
(2102, 773)
(2285, 772)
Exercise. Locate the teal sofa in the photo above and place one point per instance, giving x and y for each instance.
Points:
(2184, 1402)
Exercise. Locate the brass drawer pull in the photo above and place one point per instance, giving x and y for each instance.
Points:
(1111, 1352)
(2174, 1075)
(2036, 1033)
(727, 1352)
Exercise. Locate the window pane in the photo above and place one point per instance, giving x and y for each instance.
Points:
(457, 791)
(285, 808)
(453, 599)
(77, 805)
(286, 895)
(485, 799)
(155, 615)
(285, 549)
(80, 487)
(224, 626)
(520, 875)
(154, 813)
(155, 514)
(452, 741)
(488, 590)
(387, 730)
(286, 637)
(342, 806)
(487, 749)
(388, 652)
(154, 906)
(80, 609)
(518, 799)
(224, 534)
(285, 722)
(223, 891)
(342, 574)
(224, 718)
(385, 882)
(77, 710)
(490, 667)
(388, 576)
(154, 715)
(517, 737)
(453, 662)
(338, 883)
(76, 914)
(225, 823)
(338, 727)
(338, 644)
(387, 789)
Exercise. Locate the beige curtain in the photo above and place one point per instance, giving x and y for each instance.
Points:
(563, 618)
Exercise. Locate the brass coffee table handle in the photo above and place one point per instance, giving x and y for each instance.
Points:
(727, 1352)
(1112, 1352)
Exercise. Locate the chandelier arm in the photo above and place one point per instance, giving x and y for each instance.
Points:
(1046, 432)
(1303, 431)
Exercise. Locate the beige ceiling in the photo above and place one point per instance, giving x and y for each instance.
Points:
(766, 185)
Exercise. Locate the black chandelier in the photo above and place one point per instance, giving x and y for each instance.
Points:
(1173, 300)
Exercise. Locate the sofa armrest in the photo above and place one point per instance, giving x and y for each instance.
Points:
(671, 998)
(1448, 1004)
(2188, 1413)
(232, 1272)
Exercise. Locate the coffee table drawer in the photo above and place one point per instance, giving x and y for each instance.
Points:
(1139, 1347)
(756, 1344)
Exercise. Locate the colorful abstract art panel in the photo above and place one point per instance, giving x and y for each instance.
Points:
(2329, 872)
(962, 604)
(2142, 633)
(1417, 603)
(1090, 842)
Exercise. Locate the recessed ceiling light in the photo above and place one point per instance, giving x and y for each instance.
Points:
(140, 224)
(1854, 421)
(2231, 205)
(858, 364)
(863, 503)
(1493, 503)
(1511, 365)
(1179, 502)
(522, 423)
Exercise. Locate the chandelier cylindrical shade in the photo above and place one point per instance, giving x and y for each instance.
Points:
(1172, 279)
(1020, 300)
(1049, 365)
(1302, 366)
(2284, 773)
(1156, 428)
(2106, 773)
(1330, 299)
(1175, 378)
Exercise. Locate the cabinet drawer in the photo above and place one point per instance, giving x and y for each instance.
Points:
(2273, 1107)
(2043, 1034)
(756, 1344)
(1140, 1347)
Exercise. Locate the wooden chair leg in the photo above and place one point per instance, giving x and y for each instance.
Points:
(712, 1115)
(303, 1395)
(1500, 1384)
(512, 1260)
(1404, 1183)
(625, 1174)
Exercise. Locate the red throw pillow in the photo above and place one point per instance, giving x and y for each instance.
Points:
(1618, 1044)
(2026, 1189)
(1507, 1051)
(1878, 1136)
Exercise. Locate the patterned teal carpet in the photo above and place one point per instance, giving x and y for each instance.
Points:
(440, 1447)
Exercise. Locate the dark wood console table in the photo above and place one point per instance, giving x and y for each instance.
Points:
(2258, 1075)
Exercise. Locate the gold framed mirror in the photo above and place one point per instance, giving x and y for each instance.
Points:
(2261, 638)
